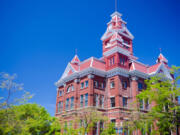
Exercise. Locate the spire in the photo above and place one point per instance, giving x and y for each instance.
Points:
(161, 59)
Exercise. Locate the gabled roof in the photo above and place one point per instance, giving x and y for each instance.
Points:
(154, 68)
(161, 58)
(75, 59)
(138, 67)
(91, 62)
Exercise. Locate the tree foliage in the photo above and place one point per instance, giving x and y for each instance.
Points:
(27, 119)
(163, 117)
(19, 118)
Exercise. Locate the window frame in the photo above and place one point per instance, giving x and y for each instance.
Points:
(125, 102)
(68, 89)
(82, 85)
(112, 84)
(67, 103)
(72, 102)
(124, 83)
(81, 100)
(114, 103)
(86, 83)
(86, 100)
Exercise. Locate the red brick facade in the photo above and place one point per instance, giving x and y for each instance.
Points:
(110, 83)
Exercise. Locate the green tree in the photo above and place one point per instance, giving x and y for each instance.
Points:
(19, 118)
(163, 117)
(27, 119)
(109, 129)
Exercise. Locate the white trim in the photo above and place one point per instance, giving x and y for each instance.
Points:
(68, 68)
(116, 13)
(92, 59)
(117, 49)
(133, 66)
(165, 71)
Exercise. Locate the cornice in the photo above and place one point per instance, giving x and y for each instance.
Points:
(117, 49)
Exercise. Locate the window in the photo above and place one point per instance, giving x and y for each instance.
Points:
(112, 101)
(72, 102)
(113, 121)
(81, 100)
(95, 129)
(125, 101)
(141, 104)
(102, 101)
(146, 104)
(86, 99)
(112, 84)
(86, 84)
(121, 60)
(68, 89)
(82, 85)
(72, 88)
(59, 103)
(140, 86)
(96, 100)
(111, 61)
(125, 131)
(102, 85)
(60, 93)
(60, 106)
(67, 103)
(95, 84)
(101, 126)
(124, 84)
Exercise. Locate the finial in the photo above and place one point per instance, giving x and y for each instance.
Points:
(160, 50)
(115, 5)
(76, 51)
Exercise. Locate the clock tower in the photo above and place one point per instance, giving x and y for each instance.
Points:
(117, 43)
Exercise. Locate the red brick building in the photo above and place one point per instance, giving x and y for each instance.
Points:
(109, 83)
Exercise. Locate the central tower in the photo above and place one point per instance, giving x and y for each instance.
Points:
(117, 43)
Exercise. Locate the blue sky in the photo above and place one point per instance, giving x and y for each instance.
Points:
(39, 37)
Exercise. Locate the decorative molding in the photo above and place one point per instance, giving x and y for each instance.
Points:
(77, 80)
(117, 49)
(90, 76)
(118, 71)
(134, 78)
(116, 13)
(139, 74)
